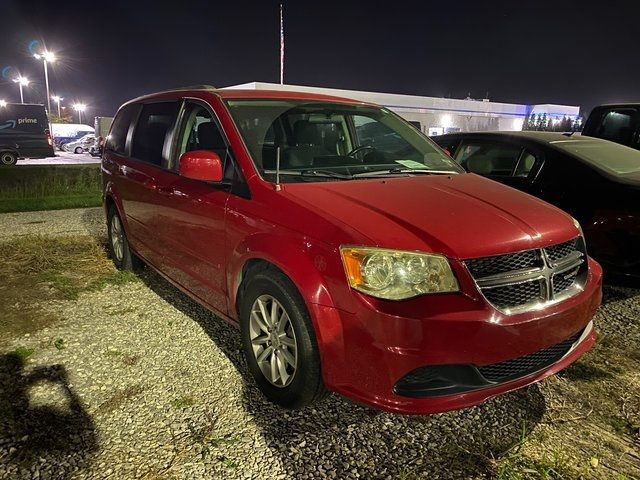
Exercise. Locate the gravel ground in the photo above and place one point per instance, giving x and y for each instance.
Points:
(76, 221)
(138, 381)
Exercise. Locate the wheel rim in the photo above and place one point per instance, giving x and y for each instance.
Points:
(273, 341)
(117, 238)
(7, 159)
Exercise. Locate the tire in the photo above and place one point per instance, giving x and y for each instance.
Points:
(8, 159)
(121, 254)
(78, 150)
(304, 384)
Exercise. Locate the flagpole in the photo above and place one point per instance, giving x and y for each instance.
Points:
(281, 46)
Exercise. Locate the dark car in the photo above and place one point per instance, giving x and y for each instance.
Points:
(362, 261)
(596, 181)
(619, 123)
(24, 133)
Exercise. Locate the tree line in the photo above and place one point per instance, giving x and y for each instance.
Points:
(545, 123)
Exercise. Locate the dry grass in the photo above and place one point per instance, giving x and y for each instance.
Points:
(38, 269)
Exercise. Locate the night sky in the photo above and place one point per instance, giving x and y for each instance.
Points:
(576, 53)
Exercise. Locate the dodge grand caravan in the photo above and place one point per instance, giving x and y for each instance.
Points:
(366, 264)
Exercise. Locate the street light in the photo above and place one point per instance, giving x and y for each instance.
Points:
(22, 82)
(79, 107)
(3, 103)
(57, 99)
(46, 57)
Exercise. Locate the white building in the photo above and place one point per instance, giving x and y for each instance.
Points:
(440, 115)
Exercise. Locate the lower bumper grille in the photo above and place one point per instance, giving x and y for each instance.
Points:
(523, 366)
(441, 380)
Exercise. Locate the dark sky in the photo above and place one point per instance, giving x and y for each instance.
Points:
(577, 53)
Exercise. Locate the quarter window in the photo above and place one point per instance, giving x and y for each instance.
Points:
(152, 129)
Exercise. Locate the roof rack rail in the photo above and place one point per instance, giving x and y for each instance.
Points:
(188, 87)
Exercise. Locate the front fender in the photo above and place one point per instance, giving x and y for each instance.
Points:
(304, 261)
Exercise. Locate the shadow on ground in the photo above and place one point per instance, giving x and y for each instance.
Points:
(615, 293)
(343, 439)
(60, 436)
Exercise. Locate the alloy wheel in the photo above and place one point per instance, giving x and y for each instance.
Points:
(273, 340)
(117, 238)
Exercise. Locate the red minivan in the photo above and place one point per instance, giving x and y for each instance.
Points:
(354, 255)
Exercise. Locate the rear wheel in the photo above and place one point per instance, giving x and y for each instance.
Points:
(8, 158)
(78, 150)
(279, 340)
(119, 249)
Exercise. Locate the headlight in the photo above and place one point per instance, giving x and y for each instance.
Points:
(396, 274)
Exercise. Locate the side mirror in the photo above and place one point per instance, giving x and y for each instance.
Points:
(201, 165)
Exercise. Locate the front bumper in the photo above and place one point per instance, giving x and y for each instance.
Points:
(367, 352)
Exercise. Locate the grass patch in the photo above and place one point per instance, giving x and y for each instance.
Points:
(49, 187)
(59, 344)
(23, 352)
(183, 402)
(35, 269)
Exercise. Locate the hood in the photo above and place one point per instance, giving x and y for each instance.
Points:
(461, 216)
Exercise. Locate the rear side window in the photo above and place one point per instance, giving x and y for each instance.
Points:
(617, 124)
(154, 124)
(117, 138)
(488, 158)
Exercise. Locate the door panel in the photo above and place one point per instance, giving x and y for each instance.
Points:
(189, 219)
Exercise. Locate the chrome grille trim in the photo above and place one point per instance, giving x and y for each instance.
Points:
(566, 265)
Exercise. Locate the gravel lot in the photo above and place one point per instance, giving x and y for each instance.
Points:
(138, 381)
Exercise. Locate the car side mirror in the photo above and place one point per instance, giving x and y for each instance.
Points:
(201, 165)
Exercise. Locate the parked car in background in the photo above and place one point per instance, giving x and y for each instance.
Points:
(81, 145)
(618, 123)
(24, 133)
(366, 262)
(64, 133)
(596, 181)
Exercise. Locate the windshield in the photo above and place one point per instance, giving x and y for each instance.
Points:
(609, 156)
(332, 141)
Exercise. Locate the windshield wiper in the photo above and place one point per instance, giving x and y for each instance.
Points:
(313, 173)
(404, 171)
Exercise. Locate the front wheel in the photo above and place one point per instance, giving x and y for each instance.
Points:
(78, 150)
(279, 340)
(8, 159)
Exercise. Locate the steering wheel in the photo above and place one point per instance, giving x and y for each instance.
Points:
(359, 149)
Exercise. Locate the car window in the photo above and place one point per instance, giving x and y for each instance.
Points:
(338, 140)
(117, 138)
(488, 158)
(153, 126)
(618, 126)
(200, 132)
(525, 164)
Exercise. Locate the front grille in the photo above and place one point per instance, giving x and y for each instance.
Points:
(563, 281)
(560, 251)
(514, 295)
(483, 267)
(528, 364)
(523, 280)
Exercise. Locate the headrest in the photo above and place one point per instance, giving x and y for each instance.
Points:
(209, 137)
(480, 164)
(306, 133)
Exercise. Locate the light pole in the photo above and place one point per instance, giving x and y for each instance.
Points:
(46, 57)
(57, 99)
(79, 107)
(22, 82)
